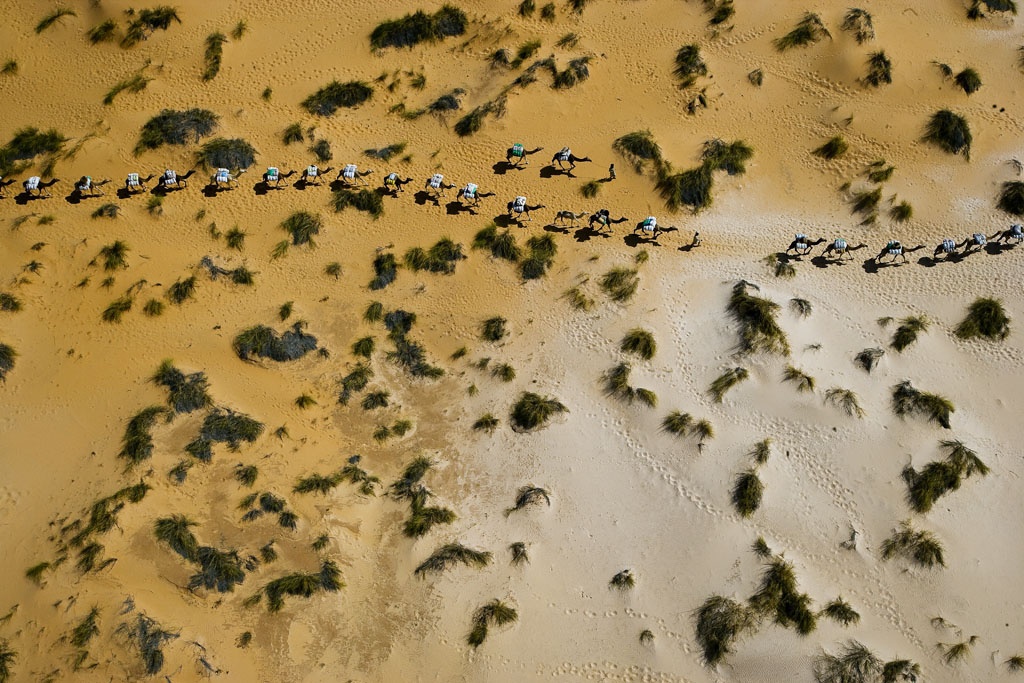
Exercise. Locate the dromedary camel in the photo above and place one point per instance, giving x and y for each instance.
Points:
(650, 226)
(393, 183)
(35, 187)
(977, 241)
(4, 184)
(135, 183)
(311, 176)
(517, 153)
(840, 247)
(565, 156)
(472, 194)
(518, 206)
(947, 247)
(350, 175)
(569, 218)
(896, 250)
(170, 180)
(1014, 233)
(437, 186)
(604, 220)
(274, 175)
(223, 178)
(85, 187)
(802, 245)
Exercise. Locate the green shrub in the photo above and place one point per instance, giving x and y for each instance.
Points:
(226, 153)
(171, 127)
(949, 132)
(985, 318)
(328, 99)
(261, 341)
(361, 200)
(419, 27)
(533, 411)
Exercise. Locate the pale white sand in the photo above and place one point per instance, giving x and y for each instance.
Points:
(624, 494)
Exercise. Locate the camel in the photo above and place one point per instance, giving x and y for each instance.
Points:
(170, 180)
(135, 183)
(5, 183)
(472, 194)
(568, 218)
(85, 187)
(650, 226)
(803, 246)
(975, 240)
(895, 249)
(518, 206)
(519, 153)
(350, 175)
(393, 183)
(224, 178)
(840, 248)
(565, 156)
(274, 175)
(312, 174)
(35, 184)
(604, 220)
(1015, 234)
(947, 247)
(437, 186)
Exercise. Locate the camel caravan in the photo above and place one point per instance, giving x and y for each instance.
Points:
(518, 211)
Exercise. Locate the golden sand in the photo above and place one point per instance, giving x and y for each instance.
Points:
(623, 493)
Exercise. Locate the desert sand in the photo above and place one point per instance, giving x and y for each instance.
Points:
(624, 493)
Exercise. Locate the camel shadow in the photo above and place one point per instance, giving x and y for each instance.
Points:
(635, 241)
(503, 167)
(74, 198)
(422, 197)
(454, 208)
(550, 171)
(872, 266)
(586, 233)
(261, 188)
(503, 220)
(688, 247)
(996, 249)
(561, 229)
(822, 262)
(24, 198)
(210, 190)
(123, 193)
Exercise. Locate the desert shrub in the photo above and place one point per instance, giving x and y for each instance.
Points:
(718, 623)
(440, 258)
(333, 96)
(449, 555)
(907, 400)
(726, 381)
(28, 143)
(133, 84)
(137, 442)
(639, 147)
(501, 245)
(541, 250)
(640, 342)
(9, 303)
(149, 637)
(949, 132)
(116, 309)
(302, 226)
(186, 393)
(879, 69)
(689, 65)
(493, 329)
(148, 21)
(533, 411)
(213, 55)
(833, 149)
(1011, 198)
(361, 200)
(419, 27)
(747, 491)
(859, 23)
(968, 80)
(303, 584)
(689, 188)
(620, 284)
(778, 596)
(756, 316)
(385, 269)
(494, 613)
(803, 382)
(473, 121)
(920, 547)
(906, 333)
(108, 210)
(226, 153)
(171, 127)
(261, 341)
(53, 17)
(219, 570)
(293, 133)
(102, 32)
(985, 318)
(808, 31)
(868, 358)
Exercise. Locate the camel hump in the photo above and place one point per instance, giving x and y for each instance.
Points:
(133, 178)
(948, 246)
(223, 175)
(563, 154)
(517, 149)
(436, 180)
(980, 239)
(840, 244)
(649, 224)
(469, 190)
(390, 178)
(32, 183)
(312, 170)
(272, 172)
(519, 204)
(349, 171)
(799, 237)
